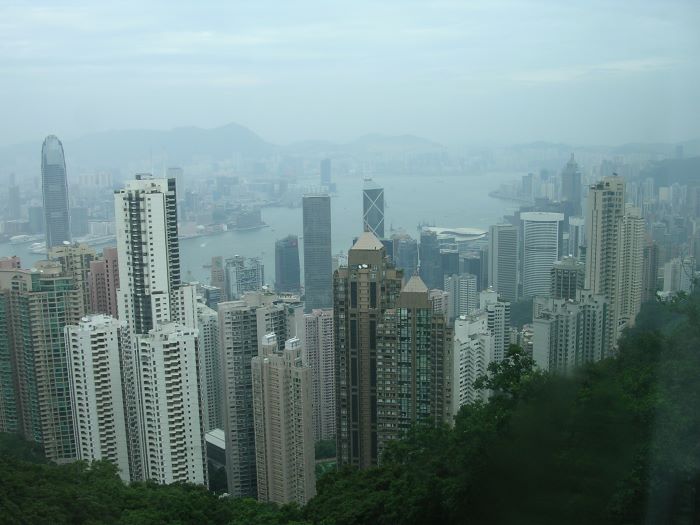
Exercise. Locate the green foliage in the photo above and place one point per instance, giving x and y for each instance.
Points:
(325, 449)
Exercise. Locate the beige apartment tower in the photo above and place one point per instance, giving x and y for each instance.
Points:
(284, 448)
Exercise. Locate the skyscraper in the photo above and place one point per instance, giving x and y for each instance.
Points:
(282, 413)
(75, 260)
(209, 364)
(287, 269)
(362, 291)
(218, 274)
(498, 318)
(472, 353)
(242, 324)
(169, 401)
(577, 235)
(566, 278)
(503, 260)
(319, 355)
(614, 253)
(243, 275)
(36, 305)
(406, 254)
(54, 189)
(463, 294)
(373, 208)
(650, 270)
(318, 264)
(571, 186)
(96, 391)
(161, 335)
(430, 262)
(413, 366)
(103, 283)
(541, 238)
(570, 332)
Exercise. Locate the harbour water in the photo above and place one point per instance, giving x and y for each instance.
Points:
(455, 201)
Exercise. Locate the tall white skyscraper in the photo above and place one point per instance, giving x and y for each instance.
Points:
(319, 355)
(498, 319)
(160, 316)
(94, 370)
(472, 354)
(503, 260)
(169, 400)
(282, 414)
(463, 297)
(541, 238)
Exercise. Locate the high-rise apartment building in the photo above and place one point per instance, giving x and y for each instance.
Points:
(605, 208)
(160, 317)
(630, 268)
(498, 321)
(650, 271)
(571, 186)
(318, 266)
(75, 261)
(413, 366)
(35, 306)
(362, 291)
(218, 273)
(287, 269)
(54, 190)
(430, 269)
(242, 324)
(373, 208)
(169, 401)
(209, 363)
(570, 332)
(566, 278)
(503, 260)
(243, 275)
(282, 414)
(577, 235)
(94, 368)
(103, 283)
(541, 239)
(463, 295)
(679, 274)
(472, 353)
(319, 355)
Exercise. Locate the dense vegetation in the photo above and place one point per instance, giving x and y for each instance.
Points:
(619, 442)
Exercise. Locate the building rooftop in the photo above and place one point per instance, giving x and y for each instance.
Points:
(415, 285)
(368, 241)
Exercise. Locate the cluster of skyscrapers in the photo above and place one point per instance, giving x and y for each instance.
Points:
(113, 356)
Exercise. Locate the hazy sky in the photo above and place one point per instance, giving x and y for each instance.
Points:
(587, 72)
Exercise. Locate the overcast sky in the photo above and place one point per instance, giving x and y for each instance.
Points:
(589, 72)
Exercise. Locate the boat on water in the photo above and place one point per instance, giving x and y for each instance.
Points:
(24, 239)
(38, 248)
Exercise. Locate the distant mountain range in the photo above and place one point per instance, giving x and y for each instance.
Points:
(138, 149)
(182, 146)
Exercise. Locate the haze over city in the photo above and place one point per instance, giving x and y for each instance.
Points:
(321, 263)
(455, 72)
